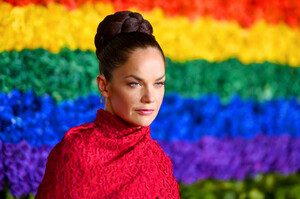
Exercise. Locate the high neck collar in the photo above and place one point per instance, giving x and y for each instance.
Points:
(115, 125)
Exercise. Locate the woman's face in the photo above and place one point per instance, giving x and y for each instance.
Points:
(136, 89)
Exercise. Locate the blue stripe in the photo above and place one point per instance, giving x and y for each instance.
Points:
(39, 120)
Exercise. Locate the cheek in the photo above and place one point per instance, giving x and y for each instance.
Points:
(123, 99)
(160, 95)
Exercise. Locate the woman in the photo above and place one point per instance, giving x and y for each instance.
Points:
(115, 156)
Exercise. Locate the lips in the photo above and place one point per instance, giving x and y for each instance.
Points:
(145, 111)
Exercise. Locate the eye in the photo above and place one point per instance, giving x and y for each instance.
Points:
(159, 84)
(133, 84)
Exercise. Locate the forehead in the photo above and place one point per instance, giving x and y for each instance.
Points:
(145, 63)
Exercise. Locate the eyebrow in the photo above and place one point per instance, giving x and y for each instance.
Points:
(140, 79)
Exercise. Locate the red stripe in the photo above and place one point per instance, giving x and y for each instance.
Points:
(244, 12)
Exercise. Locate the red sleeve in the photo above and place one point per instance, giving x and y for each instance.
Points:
(64, 172)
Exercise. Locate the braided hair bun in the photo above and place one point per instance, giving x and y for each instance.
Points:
(118, 35)
(120, 22)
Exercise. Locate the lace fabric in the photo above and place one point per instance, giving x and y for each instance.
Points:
(108, 159)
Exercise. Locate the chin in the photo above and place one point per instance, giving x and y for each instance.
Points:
(143, 123)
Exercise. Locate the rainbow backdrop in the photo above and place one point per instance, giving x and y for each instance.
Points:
(230, 120)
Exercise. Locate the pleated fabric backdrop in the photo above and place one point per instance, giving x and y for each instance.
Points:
(230, 119)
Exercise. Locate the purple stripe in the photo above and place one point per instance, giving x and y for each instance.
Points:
(23, 166)
(232, 158)
(236, 158)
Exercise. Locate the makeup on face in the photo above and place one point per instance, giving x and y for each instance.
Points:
(137, 87)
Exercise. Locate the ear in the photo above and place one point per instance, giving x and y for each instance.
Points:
(102, 85)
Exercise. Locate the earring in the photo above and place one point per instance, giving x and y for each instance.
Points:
(101, 100)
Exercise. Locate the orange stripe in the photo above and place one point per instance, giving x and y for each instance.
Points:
(246, 12)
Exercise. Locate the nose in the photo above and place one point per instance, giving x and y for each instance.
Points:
(148, 95)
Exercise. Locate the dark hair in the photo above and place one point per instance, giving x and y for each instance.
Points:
(118, 36)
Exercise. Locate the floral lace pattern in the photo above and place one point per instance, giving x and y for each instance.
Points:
(108, 159)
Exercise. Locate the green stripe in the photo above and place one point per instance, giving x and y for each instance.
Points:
(260, 187)
(70, 74)
(66, 75)
(257, 81)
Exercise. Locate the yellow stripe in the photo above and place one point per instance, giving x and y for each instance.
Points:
(54, 27)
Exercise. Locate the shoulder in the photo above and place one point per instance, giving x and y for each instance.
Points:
(78, 136)
(155, 147)
(70, 152)
(79, 132)
(157, 150)
(66, 164)
(73, 143)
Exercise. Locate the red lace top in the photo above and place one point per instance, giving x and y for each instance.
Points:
(108, 159)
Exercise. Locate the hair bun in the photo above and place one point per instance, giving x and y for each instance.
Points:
(120, 22)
